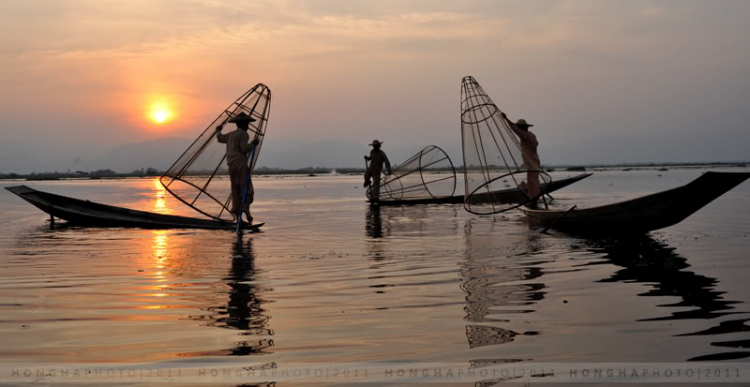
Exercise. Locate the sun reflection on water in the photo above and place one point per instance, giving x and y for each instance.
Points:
(160, 204)
(160, 248)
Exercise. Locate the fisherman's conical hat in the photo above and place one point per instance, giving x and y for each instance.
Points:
(242, 117)
(523, 122)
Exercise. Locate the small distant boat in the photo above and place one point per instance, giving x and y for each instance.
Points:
(641, 215)
(511, 195)
(86, 213)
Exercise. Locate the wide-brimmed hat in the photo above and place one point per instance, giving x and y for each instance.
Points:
(376, 143)
(523, 122)
(242, 117)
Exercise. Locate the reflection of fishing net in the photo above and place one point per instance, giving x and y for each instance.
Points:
(199, 177)
(494, 170)
(426, 175)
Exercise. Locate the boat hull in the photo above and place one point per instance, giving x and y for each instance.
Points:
(640, 215)
(514, 195)
(87, 213)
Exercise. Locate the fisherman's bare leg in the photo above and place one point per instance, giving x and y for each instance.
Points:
(367, 178)
(249, 198)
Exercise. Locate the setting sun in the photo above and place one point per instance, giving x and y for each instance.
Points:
(160, 113)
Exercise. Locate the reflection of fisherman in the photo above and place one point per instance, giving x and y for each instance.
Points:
(373, 223)
(244, 309)
(243, 303)
(238, 151)
(530, 156)
(377, 159)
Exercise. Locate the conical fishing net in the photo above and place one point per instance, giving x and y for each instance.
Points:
(429, 174)
(495, 173)
(199, 178)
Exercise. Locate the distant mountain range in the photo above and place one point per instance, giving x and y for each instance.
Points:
(26, 157)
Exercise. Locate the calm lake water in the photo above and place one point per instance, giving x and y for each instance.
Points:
(331, 281)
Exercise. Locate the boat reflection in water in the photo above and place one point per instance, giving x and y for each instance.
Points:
(507, 278)
(244, 309)
(654, 262)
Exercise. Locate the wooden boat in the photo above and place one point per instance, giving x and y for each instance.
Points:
(512, 195)
(640, 215)
(86, 213)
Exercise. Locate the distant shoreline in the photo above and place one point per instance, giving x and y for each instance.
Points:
(264, 171)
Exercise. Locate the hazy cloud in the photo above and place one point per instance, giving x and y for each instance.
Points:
(583, 71)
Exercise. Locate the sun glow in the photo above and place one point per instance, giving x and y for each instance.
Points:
(160, 113)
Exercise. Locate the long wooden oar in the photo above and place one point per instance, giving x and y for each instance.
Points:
(558, 219)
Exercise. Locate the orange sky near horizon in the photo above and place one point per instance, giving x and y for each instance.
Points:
(350, 69)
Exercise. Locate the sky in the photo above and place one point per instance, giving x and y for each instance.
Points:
(84, 83)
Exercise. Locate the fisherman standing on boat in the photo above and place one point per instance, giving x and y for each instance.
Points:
(529, 155)
(238, 151)
(377, 159)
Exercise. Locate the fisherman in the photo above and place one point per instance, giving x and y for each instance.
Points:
(377, 159)
(238, 151)
(529, 155)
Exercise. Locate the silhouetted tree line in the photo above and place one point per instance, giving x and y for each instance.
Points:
(96, 174)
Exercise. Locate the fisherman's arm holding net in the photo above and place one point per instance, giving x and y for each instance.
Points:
(221, 137)
(387, 164)
(520, 133)
(246, 146)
